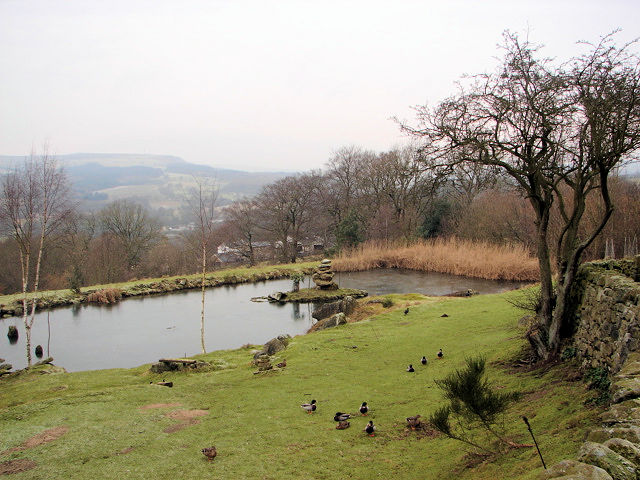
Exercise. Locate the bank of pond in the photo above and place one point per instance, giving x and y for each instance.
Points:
(142, 329)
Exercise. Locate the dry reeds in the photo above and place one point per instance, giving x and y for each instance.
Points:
(451, 255)
(107, 295)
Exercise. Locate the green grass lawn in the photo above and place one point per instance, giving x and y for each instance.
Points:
(261, 432)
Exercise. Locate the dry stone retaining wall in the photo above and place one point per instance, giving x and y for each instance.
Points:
(607, 314)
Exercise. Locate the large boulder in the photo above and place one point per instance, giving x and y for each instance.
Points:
(625, 414)
(326, 310)
(572, 470)
(603, 434)
(625, 448)
(616, 465)
(273, 346)
(347, 305)
(625, 389)
(333, 321)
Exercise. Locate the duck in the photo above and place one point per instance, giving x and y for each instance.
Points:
(364, 409)
(440, 354)
(406, 310)
(309, 407)
(343, 425)
(413, 422)
(423, 360)
(370, 429)
(282, 364)
(209, 452)
(340, 417)
(410, 368)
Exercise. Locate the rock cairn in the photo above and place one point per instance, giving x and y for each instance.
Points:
(323, 276)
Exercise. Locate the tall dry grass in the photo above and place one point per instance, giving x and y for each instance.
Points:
(451, 255)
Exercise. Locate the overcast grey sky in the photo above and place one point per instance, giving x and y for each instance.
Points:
(256, 85)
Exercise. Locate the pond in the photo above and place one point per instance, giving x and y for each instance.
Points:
(141, 330)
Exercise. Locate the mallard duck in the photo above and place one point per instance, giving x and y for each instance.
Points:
(340, 417)
(209, 452)
(410, 368)
(406, 310)
(282, 364)
(309, 407)
(413, 422)
(363, 408)
(342, 425)
(440, 354)
(423, 360)
(370, 429)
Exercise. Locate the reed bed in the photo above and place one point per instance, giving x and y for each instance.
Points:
(451, 255)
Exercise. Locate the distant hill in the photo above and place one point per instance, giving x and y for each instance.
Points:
(157, 181)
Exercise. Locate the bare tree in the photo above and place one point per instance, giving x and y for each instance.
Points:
(202, 202)
(558, 133)
(131, 224)
(35, 203)
(286, 210)
(241, 218)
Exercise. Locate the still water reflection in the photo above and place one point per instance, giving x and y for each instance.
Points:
(143, 329)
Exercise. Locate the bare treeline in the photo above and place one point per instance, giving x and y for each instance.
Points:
(360, 196)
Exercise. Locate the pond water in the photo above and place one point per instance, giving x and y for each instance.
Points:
(141, 330)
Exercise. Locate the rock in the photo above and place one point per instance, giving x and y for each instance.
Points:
(572, 470)
(625, 448)
(616, 465)
(625, 389)
(326, 310)
(161, 367)
(333, 321)
(631, 367)
(276, 344)
(603, 434)
(276, 296)
(323, 276)
(347, 305)
(12, 333)
(626, 413)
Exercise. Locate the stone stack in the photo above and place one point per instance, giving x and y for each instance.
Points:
(323, 276)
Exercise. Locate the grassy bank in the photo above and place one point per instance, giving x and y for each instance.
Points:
(118, 425)
(458, 257)
(11, 304)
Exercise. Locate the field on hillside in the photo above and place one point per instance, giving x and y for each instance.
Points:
(115, 424)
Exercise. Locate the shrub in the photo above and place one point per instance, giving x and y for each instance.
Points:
(106, 296)
(472, 402)
(387, 302)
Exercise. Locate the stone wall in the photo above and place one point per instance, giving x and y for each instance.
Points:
(607, 313)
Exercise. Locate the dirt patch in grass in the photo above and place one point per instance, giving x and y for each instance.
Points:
(17, 466)
(124, 451)
(39, 439)
(187, 417)
(160, 405)
(179, 426)
(187, 414)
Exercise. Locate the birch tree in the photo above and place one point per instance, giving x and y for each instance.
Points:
(202, 202)
(34, 204)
